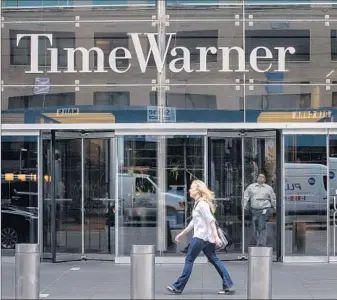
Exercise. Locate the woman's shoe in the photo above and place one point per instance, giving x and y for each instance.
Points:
(226, 291)
(173, 290)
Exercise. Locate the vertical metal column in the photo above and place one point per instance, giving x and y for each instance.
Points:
(242, 256)
(52, 196)
(112, 183)
(328, 197)
(40, 191)
(259, 273)
(82, 195)
(116, 156)
(0, 142)
(161, 145)
(142, 272)
(279, 192)
(27, 271)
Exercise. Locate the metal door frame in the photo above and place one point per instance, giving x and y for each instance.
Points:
(125, 259)
(243, 134)
(221, 134)
(60, 134)
(332, 234)
(306, 258)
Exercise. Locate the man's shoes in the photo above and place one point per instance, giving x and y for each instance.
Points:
(226, 291)
(173, 290)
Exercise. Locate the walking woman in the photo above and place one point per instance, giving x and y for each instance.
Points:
(205, 239)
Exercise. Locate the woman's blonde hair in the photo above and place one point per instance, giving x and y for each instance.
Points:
(205, 193)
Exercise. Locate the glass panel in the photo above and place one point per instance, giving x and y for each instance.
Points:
(184, 163)
(90, 104)
(305, 193)
(137, 192)
(333, 194)
(99, 203)
(206, 53)
(272, 102)
(295, 43)
(79, 53)
(260, 158)
(19, 201)
(225, 169)
(197, 10)
(68, 191)
(106, 13)
(138, 184)
(209, 103)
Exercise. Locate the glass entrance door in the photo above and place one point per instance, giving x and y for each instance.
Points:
(307, 191)
(234, 162)
(77, 195)
(154, 175)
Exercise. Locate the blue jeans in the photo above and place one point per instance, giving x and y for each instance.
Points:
(260, 225)
(196, 246)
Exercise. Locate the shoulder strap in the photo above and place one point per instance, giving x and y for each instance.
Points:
(196, 204)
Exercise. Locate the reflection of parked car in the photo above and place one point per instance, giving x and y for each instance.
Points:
(139, 194)
(18, 225)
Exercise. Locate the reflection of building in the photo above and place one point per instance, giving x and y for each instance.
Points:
(106, 124)
(302, 87)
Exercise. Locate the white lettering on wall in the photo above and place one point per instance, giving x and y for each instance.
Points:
(85, 60)
(229, 54)
(113, 59)
(186, 60)
(254, 57)
(34, 49)
(282, 57)
(225, 59)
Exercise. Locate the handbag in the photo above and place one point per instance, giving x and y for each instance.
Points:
(225, 238)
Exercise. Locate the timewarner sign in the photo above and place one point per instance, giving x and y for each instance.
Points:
(176, 65)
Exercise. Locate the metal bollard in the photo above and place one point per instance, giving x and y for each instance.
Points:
(142, 272)
(27, 271)
(259, 273)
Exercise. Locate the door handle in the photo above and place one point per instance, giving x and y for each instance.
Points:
(334, 203)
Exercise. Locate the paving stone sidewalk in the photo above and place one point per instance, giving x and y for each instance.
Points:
(106, 280)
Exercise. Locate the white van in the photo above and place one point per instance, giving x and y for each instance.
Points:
(305, 188)
(138, 195)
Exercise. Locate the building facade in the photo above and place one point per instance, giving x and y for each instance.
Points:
(110, 109)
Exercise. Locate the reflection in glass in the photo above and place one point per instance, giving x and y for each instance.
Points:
(68, 189)
(19, 203)
(99, 206)
(305, 194)
(225, 169)
(138, 187)
(260, 158)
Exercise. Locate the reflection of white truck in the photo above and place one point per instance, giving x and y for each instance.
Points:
(306, 187)
(139, 195)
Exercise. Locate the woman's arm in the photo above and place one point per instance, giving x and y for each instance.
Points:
(214, 231)
(188, 228)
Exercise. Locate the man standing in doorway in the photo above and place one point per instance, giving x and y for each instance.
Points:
(262, 201)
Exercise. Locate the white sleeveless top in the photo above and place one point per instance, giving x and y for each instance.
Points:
(201, 221)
